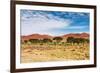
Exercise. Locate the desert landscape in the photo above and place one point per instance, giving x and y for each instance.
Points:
(54, 35)
(43, 47)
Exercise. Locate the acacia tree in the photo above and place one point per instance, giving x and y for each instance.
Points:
(70, 40)
(34, 40)
(57, 39)
(45, 40)
(77, 40)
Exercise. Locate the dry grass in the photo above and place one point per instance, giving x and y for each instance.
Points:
(45, 52)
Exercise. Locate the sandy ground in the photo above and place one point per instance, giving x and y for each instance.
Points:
(42, 53)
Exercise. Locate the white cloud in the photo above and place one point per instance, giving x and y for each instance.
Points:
(41, 23)
(77, 27)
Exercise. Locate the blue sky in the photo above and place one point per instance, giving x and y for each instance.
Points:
(53, 22)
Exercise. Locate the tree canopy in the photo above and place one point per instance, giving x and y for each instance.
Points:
(77, 40)
(58, 39)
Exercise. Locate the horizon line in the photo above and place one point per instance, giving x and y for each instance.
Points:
(56, 35)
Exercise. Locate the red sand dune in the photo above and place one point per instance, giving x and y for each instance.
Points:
(39, 36)
(78, 35)
(35, 36)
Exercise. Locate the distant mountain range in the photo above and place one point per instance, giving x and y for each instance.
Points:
(39, 36)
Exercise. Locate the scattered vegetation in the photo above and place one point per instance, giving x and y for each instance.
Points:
(39, 50)
(77, 40)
